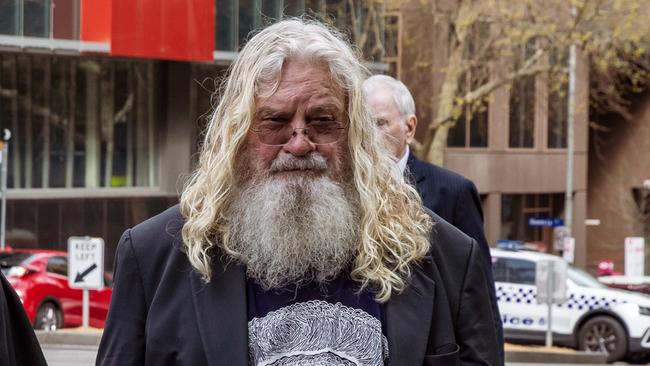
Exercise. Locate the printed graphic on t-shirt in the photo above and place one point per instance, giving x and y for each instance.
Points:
(316, 333)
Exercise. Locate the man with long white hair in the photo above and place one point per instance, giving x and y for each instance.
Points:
(297, 241)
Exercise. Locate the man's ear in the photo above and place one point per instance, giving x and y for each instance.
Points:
(411, 124)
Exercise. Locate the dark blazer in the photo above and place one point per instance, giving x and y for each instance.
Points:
(18, 343)
(162, 313)
(455, 199)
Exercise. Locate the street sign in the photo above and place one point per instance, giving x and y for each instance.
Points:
(550, 279)
(634, 256)
(559, 233)
(85, 262)
(545, 221)
(569, 249)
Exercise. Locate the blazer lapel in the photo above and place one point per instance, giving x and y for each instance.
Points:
(408, 319)
(414, 174)
(221, 314)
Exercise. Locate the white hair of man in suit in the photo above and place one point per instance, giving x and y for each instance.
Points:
(392, 106)
(338, 204)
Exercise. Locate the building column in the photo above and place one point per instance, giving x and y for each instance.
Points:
(579, 230)
(492, 218)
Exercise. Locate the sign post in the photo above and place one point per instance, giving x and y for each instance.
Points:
(85, 268)
(559, 233)
(569, 249)
(4, 162)
(550, 279)
(634, 256)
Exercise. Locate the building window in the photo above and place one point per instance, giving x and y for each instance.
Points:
(471, 126)
(40, 18)
(522, 104)
(558, 106)
(79, 122)
(392, 43)
(203, 94)
(36, 18)
(517, 209)
(237, 19)
(10, 17)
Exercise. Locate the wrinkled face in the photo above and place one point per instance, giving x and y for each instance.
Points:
(397, 130)
(305, 98)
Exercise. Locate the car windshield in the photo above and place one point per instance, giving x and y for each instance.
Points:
(584, 279)
(8, 260)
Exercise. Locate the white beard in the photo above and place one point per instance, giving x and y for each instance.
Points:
(293, 231)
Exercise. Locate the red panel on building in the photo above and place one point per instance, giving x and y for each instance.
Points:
(163, 29)
(95, 19)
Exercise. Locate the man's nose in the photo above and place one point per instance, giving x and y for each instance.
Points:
(299, 144)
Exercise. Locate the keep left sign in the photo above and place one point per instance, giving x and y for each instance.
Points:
(85, 262)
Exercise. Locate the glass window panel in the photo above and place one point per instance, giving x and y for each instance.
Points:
(226, 37)
(393, 70)
(40, 92)
(519, 271)
(456, 136)
(272, 9)
(558, 104)
(23, 231)
(80, 123)
(478, 132)
(65, 19)
(512, 219)
(48, 224)
(391, 36)
(58, 265)
(531, 201)
(250, 19)
(9, 17)
(522, 113)
(9, 114)
(59, 120)
(315, 6)
(36, 18)
(204, 86)
(294, 7)
(544, 200)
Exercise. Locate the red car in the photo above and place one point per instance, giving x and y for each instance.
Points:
(40, 278)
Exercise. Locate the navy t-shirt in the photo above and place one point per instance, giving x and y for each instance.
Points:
(316, 324)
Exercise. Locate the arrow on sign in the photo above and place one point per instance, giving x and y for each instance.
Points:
(80, 275)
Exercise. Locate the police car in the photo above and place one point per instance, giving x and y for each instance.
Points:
(593, 318)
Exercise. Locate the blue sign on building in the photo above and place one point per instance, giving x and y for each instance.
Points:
(545, 221)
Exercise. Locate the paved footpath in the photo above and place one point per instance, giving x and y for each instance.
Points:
(69, 355)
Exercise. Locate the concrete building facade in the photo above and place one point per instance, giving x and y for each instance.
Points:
(515, 152)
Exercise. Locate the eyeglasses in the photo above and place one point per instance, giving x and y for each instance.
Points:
(319, 133)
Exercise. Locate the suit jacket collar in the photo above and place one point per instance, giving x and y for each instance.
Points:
(416, 175)
(221, 313)
(413, 169)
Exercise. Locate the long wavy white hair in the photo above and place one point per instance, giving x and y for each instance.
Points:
(394, 228)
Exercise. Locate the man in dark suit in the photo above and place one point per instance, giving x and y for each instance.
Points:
(448, 194)
(296, 241)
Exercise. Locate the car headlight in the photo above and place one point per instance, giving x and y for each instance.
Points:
(643, 310)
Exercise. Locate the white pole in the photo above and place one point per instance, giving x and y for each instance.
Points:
(568, 197)
(3, 187)
(550, 286)
(86, 308)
